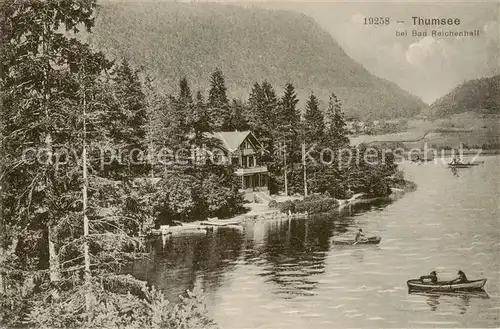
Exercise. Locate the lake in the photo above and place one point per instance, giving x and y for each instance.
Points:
(288, 274)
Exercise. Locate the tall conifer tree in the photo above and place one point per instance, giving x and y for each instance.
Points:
(289, 118)
(238, 119)
(218, 103)
(314, 124)
(336, 131)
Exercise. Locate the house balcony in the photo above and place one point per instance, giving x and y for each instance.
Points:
(248, 152)
(251, 170)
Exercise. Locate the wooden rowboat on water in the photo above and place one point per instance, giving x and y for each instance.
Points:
(445, 286)
(370, 240)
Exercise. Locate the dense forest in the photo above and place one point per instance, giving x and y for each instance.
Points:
(74, 210)
(247, 44)
(478, 95)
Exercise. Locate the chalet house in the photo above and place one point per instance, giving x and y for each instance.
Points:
(242, 149)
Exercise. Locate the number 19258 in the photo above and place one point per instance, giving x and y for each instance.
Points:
(377, 20)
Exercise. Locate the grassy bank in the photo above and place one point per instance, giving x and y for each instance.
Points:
(474, 130)
(316, 204)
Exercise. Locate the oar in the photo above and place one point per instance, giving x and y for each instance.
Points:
(355, 242)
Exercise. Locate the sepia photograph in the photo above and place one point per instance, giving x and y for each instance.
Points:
(230, 164)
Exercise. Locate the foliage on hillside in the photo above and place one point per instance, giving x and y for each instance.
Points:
(75, 128)
(478, 95)
(173, 40)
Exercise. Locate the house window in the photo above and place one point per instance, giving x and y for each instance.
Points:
(247, 145)
(235, 161)
(218, 157)
(249, 161)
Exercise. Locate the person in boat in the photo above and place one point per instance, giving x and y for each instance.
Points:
(457, 160)
(432, 276)
(359, 236)
(462, 278)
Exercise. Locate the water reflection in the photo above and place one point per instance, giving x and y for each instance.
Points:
(295, 253)
(291, 253)
(433, 302)
(461, 300)
(454, 171)
(286, 273)
(358, 254)
(177, 263)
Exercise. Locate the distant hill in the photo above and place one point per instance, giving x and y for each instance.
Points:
(478, 95)
(172, 40)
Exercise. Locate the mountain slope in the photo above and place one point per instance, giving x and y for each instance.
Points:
(173, 40)
(478, 95)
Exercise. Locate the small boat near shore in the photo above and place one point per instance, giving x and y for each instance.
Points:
(220, 223)
(196, 227)
(464, 165)
(370, 240)
(445, 286)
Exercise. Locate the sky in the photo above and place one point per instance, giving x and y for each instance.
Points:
(426, 66)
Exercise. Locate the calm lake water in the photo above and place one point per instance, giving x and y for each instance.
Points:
(288, 274)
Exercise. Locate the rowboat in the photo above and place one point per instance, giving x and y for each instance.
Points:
(445, 286)
(464, 165)
(185, 229)
(370, 240)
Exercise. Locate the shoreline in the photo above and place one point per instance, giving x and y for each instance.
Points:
(259, 211)
(450, 152)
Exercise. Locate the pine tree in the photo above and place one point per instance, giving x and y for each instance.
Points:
(175, 123)
(184, 106)
(288, 108)
(289, 118)
(288, 129)
(238, 121)
(131, 100)
(202, 119)
(313, 125)
(56, 99)
(199, 124)
(129, 119)
(155, 127)
(336, 131)
(218, 103)
(218, 90)
(40, 101)
(262, 114)
(264, 122)
(255, 110)
(270, 108)
(185, 96)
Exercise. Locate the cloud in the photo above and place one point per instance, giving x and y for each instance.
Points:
(427, 50)
(491, 28)
(427, 67)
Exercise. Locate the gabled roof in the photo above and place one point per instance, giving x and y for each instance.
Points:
(231, 140)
